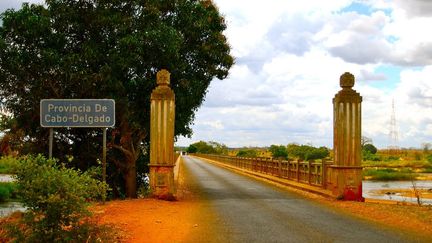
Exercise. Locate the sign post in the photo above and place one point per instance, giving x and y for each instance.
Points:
(83, 113)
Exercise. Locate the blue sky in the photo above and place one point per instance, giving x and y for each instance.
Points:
(289, 56)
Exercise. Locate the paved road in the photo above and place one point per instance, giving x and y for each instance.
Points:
(254, 211)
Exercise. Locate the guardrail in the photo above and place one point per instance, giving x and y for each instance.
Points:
(307, 172)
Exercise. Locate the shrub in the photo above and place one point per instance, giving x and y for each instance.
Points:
(56, 199)
(7, 164)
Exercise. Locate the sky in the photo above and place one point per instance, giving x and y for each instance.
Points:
(289, 57)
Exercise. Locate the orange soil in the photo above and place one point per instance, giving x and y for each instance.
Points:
(149, 220)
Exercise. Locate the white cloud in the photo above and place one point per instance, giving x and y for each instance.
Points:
(289, 56)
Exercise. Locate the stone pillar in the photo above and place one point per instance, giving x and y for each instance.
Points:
(162, 118)
(346, 173)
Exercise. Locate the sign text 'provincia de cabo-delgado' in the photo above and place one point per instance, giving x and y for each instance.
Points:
(77, 113)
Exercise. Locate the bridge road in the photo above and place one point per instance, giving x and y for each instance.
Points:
(254, 211)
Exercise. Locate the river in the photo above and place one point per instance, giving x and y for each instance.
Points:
(371, 189)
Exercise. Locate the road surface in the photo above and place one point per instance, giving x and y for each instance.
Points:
(248, 210)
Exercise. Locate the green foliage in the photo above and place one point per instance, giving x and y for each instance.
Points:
(248, 153)
(8, 190)
(192, 149)
(56, 199)
(108, 49)
(219, 148)
(389, 174)
(208, 148)
(307, 152)
(370, 148)
(7, 164)
(278, 151)
(429, 158)
(368, 156)
(369, 152)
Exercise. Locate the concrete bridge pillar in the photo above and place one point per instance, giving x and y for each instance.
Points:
(162, 118)
(346, 173)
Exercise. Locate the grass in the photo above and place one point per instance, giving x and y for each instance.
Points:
(389, 174)
(7, 191)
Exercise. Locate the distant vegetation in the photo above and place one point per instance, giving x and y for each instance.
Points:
(279, 151)
(307, 152)
(388, 174)
(294, 151)
(207, 148)
(249, 153)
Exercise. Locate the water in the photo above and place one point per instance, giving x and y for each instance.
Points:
(7, 208)
(6, 178)
(370, 189)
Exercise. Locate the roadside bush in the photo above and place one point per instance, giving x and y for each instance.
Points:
(7, 164)
(56, 199)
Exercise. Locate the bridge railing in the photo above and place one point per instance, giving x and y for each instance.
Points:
(307, 172)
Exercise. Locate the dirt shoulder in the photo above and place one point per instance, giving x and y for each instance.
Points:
(149, 220)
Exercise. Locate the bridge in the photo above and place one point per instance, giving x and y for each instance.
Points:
(251, 210)
(342, 179)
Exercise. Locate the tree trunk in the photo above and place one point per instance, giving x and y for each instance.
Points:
(130, 180)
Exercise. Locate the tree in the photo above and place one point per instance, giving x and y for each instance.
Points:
(219, 148)
(370, 148)
(307, 152)
(192, 149)
(369, 152)
(109, 49)
(278, 151)
(209, 148)
(365, 140)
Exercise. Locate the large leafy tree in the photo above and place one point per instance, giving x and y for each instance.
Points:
(109, 49)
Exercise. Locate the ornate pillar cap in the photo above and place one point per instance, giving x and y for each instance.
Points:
(163, 77)
(347, 80)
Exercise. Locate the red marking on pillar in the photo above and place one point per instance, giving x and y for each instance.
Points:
(351, 195)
